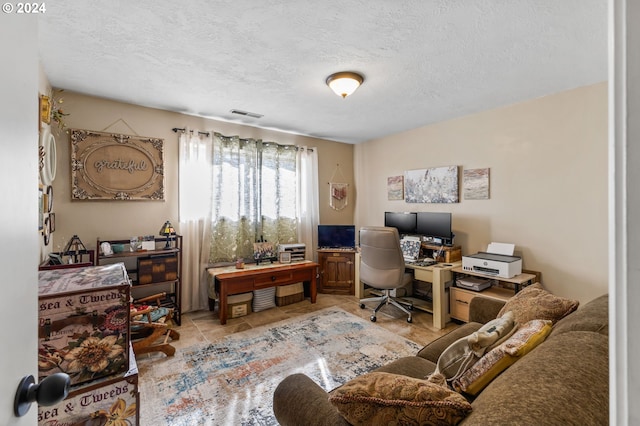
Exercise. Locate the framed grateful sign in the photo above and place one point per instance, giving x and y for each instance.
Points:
(110, 166)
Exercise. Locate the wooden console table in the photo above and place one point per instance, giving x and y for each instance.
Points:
(230, 281)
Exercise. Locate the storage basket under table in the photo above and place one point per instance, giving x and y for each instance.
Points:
(288, 294)
(239, 305)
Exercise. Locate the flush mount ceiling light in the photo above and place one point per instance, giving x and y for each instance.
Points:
(344, 83)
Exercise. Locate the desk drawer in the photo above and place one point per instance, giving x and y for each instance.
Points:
(423, 275)
(239, 285)
(273, 279)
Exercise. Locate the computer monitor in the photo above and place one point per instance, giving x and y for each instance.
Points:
(336, 236)
(404, 222)
(434, 224)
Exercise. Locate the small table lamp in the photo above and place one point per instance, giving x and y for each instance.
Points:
(167, 230)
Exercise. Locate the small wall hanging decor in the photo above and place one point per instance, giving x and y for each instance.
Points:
(395, 188)
(109, 166)
(338, 191)
(475, 184)
(434, 185)
(45, 109)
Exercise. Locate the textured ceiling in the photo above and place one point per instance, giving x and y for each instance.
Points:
(424, 61)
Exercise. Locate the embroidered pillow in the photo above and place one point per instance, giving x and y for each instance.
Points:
(383, 398)
(534, 302)
(501, 357)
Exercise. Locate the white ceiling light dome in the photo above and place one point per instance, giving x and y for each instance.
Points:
(344, 83)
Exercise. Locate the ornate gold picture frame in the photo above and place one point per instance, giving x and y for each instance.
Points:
(110, 166)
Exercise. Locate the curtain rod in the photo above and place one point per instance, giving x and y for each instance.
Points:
(177, 129)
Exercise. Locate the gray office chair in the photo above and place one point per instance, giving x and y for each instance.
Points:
(382, 267)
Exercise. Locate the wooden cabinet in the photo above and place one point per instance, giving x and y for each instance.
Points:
(161, 267)
(337, 271)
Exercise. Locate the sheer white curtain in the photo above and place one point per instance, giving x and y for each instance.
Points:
(307, 199)
(258, 195)
(196, 191)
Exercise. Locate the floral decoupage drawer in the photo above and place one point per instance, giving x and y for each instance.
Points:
(83, 322)
(107, 401)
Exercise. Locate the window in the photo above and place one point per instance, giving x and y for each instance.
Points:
(254, 196)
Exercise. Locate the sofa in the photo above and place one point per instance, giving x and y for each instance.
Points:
(562, 381)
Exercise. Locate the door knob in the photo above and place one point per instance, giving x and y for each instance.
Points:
(51, 390)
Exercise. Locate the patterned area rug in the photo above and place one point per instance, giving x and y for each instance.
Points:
(231, 381)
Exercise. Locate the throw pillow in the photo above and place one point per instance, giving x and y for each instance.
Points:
(464, 352)
(264, 299)
(501, 357)
(534, 302)
(385, 398)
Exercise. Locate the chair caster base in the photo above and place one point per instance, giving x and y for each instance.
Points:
(409, 320)
(373, 319)
(362, 306)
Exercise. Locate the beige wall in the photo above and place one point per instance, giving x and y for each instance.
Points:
(548, 161)
(122, 219)
(548, 183)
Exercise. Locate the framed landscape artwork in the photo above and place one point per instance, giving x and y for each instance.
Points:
(434, 185)
(395, 187)
(476, 184)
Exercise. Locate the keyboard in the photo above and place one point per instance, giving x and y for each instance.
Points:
(421, 262)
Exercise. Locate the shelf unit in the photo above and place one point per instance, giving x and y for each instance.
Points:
(163, 267)
(500, 290)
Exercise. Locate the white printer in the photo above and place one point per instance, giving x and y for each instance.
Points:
(500, 265)
(498, 260)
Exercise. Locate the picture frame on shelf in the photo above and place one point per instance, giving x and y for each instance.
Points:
(263, 251)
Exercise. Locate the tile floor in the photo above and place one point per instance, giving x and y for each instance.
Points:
(204, 326)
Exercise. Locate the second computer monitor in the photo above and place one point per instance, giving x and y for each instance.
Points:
(434, 224)
(405, 223)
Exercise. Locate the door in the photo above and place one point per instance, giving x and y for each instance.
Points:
(20, 239)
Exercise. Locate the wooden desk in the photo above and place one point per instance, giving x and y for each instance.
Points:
(437, 275)
(235, 281)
